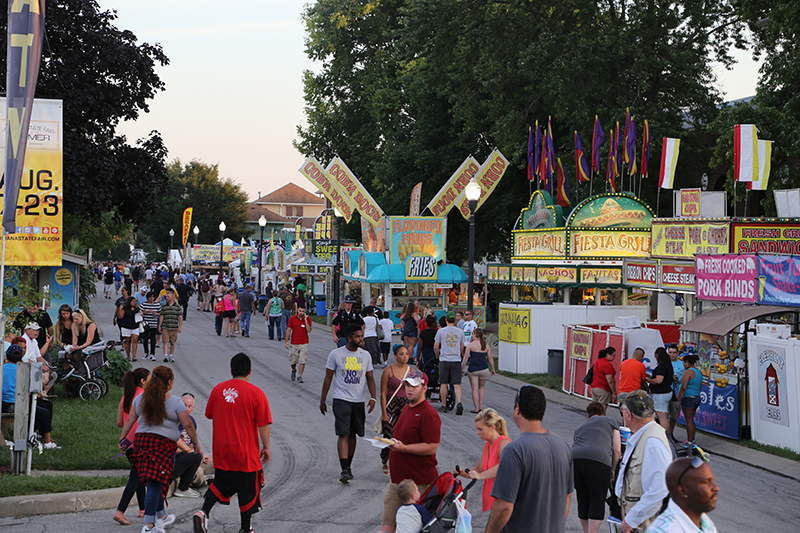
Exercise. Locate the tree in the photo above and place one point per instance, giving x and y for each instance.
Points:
(103, 75)
(213, 199)
(408, 89)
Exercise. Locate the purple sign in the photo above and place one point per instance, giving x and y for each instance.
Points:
(726, 278)
(778, 280)
(719, 410)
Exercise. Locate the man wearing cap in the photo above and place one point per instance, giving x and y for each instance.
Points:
(141, 295)
(246, 306)
(417, 432)
(33, 354)
(640, 485)
(692, 494)
(449, 348)
(350, 370)
(344, 318)
(33, 313)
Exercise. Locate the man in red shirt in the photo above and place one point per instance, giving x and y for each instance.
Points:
(417, 432)
(240, 412)
(297, 329)
(632, 374)
(603, 386)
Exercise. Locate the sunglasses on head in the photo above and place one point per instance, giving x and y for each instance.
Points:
(697, 462)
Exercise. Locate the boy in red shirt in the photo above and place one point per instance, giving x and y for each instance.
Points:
(240, 413)
(297, 329)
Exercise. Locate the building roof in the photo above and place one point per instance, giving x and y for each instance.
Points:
(290, 194)
(255, 211)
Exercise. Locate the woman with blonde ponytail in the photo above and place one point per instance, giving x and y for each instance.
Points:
(491, 428)
(158, 414)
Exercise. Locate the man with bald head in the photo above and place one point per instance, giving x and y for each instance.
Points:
(692, 494)
(632, 373)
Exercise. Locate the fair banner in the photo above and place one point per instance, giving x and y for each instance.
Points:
(690, 202)
(778, 280)
(539, 243)
(601, 276)
(413, 235)
(488, 177)
(772, 384)
(604, 243)
(338, 172)
(557, 275)
(314, 173)
(726, 278)
(322, 227)
(186, 224)
(677, 277)
(23, 55)
(416, 193)
(36, 239)
(514, 325)
(676, 239)
(641, 274)
(768, 237)
(446, 198)
(209, 253)
(580, 344)
(517, 274)
(529, 274)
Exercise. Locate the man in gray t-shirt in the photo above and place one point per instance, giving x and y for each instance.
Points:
(534, 482)
(247, 306)
(449, 348)
(349, 368)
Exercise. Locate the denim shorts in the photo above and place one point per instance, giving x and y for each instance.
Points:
(690, 402)
(661, 401)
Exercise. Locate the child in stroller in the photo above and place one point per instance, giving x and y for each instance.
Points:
(442, 500)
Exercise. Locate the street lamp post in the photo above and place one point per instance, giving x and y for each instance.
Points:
(171, 235)
(473, 192)
(338, 265)
(196, 233)
(262, 221)
(221, 240)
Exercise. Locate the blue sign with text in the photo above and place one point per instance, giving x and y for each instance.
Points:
(778, 280)
(719, 410)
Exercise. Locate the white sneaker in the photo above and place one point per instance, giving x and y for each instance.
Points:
(165, 522)
(171, 359)
(51, 446)
(154, 529)
(188, 493)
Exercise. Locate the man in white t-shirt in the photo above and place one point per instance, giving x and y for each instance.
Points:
(468, 326)
(148, 276)
(34, 354)
(349, 368)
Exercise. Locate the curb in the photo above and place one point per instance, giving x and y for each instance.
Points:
(62, 502)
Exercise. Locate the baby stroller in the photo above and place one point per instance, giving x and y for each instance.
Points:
(433, 392)
(81, 377)
(440, 499)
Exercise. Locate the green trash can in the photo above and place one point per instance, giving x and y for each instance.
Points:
(262, 303)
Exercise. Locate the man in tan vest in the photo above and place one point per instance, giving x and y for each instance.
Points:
(641, 485)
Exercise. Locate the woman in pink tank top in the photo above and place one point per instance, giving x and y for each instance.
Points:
(491, 428)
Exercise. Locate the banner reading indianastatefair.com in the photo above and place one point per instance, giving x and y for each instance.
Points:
(37, 241)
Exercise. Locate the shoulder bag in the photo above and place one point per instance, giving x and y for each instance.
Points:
(589, 376)
(379, 422)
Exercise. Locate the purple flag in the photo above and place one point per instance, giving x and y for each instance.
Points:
(597, 140)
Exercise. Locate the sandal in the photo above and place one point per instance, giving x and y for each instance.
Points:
(120, 517)
(141, 514)
(385, 468)
(475, 412)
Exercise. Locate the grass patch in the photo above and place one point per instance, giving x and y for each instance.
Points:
(540, 380)
(87, 433)
(24, 485)
(780, 451)
(320, 319)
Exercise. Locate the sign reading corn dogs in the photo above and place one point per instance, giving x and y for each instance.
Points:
(488, 177)
(416, 235)
(314, 173)
(347, 182)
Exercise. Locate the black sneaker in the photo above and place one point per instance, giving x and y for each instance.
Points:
(350, 474)
(294, 375)
(344, 477)
(459, 409)
(444, 409)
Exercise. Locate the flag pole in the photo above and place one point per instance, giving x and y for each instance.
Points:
(658, 201)
(734, 197)
(591, 181)
(746, 198)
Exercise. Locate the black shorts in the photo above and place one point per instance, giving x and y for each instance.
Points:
(247, 485)
(229, 314)
(449, 373)
(350, 417)
(385, 347)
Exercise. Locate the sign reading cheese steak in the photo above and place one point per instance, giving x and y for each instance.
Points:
(488, 177)
(557, 274)
(603, 243)
(450, 192)
(539, 243)
(766, 238)
(314, 173)
(601, 275)
(347, 182)
(514, 325)
(641, 274)
(677, 277)
(673, 239)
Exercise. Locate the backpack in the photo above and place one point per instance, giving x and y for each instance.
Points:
(219, 308)
(205, 286)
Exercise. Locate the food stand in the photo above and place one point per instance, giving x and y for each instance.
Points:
(567, 274)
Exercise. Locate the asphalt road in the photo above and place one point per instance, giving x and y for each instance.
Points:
(302, 491)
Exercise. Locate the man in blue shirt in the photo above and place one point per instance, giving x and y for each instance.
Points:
(677, 374)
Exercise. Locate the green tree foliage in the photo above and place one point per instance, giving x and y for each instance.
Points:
(214, 199)
(109, 237)
(104, 76)
(408, 89)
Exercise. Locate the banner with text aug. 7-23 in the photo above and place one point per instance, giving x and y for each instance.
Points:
(37, 241)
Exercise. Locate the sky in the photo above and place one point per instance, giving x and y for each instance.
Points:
(234, 89)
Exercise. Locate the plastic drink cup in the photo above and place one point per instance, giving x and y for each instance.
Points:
(625, 434)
